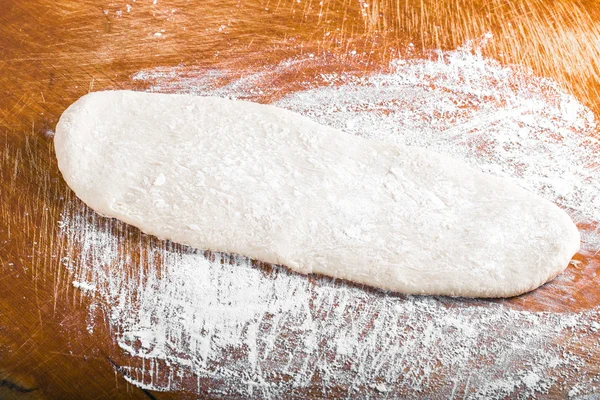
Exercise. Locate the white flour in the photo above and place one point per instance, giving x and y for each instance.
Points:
(267, 332)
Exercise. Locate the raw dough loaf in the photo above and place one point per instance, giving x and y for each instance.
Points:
(270, 184)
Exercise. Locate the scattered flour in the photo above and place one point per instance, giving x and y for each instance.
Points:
(84, 286)
(221, 324)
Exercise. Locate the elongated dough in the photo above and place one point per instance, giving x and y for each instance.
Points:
(270, 184)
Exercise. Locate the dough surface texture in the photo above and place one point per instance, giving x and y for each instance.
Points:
(272, 185)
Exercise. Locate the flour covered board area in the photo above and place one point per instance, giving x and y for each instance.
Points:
(398, 202)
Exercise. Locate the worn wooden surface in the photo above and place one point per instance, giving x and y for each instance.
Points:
(52, 52)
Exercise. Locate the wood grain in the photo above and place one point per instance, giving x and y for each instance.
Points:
(52, 52)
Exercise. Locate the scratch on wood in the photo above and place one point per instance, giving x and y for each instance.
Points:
(107, 22)
(16, 168)
(16, 387)
(120, 371)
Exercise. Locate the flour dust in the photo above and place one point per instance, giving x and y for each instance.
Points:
(219, 324)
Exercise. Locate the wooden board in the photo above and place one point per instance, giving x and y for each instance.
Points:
(51, 53)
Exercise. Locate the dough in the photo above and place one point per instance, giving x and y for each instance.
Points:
(270, 184)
